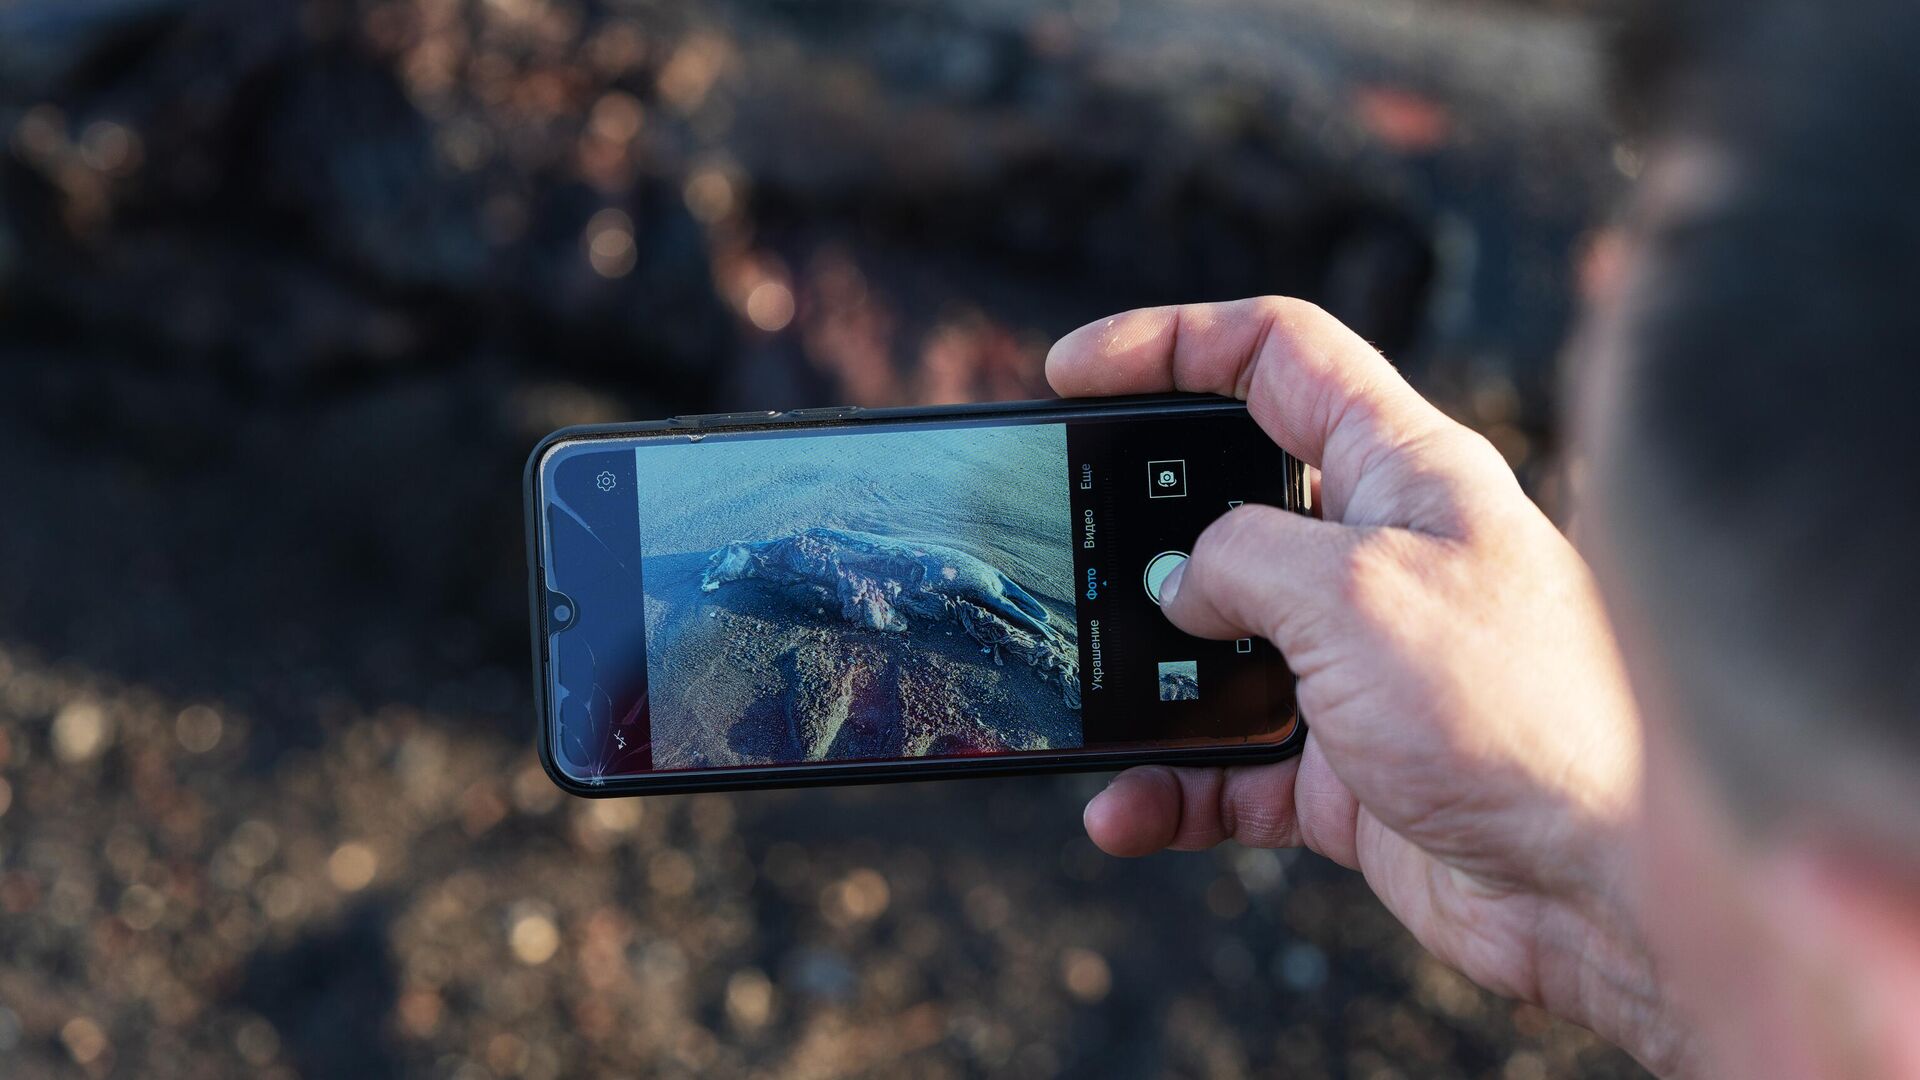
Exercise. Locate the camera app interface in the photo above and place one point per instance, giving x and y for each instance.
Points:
(779, 597)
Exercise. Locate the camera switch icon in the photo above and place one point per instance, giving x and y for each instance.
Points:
(1166, 479)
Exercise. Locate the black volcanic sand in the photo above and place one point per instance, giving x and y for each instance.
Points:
(753, 673)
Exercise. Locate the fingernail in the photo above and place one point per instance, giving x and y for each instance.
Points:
(1171, 586)
(1086, 812)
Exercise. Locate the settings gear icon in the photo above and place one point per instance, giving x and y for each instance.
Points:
(605, 481)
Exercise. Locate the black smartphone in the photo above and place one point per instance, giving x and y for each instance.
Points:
(850, 595)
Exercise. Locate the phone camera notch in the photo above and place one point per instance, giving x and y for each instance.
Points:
(561, 611)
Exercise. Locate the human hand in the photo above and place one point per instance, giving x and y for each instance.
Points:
(1473, 748)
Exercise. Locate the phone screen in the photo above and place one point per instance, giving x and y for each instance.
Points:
(885, 592)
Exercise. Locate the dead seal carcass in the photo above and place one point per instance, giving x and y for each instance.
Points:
(879, 582)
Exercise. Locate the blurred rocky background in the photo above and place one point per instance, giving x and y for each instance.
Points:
(288, 290)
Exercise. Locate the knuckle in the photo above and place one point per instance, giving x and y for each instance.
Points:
(1262, 821)
(1262, 824)
(1448, 479)
(1204, 819)
(1257, 806)
(1481, 488)
(1226, 536)
(1478, 456)
(1289, 309)
(1365, 571)
(1238, 539)
(1242, 561)
(1213, 549)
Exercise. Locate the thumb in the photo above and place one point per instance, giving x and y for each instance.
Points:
(1266, 571)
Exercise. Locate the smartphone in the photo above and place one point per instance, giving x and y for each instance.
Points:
(849, 595)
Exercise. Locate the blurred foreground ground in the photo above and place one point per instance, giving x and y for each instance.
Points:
(287, 292)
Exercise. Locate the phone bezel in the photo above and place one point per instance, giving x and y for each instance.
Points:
(813, 774)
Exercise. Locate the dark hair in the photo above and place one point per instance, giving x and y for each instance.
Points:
(1773, 391)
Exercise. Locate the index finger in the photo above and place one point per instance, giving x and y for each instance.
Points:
(1318, 389)
(1154, 807)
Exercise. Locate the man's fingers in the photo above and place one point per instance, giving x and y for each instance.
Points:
(1137, 814)
(1266, 572)
(1155, 807)
(1322, 392)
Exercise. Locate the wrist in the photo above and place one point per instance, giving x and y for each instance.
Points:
(1597, 966)
(1596, 969)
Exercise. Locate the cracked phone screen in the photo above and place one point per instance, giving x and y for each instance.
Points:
(912, 591)
(598, 692)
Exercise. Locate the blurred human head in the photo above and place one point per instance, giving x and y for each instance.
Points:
(1747, 408)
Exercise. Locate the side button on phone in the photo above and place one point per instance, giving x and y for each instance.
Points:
(727, 419)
